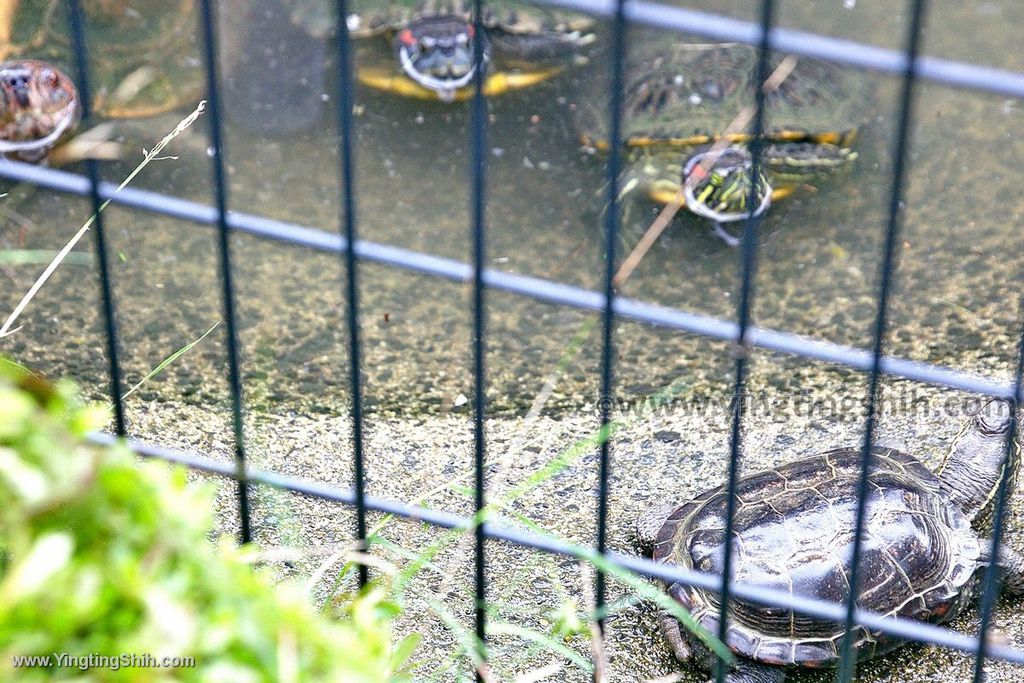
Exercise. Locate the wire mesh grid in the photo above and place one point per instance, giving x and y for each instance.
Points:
(742, 333)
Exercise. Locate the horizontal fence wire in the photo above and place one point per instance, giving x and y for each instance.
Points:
(548, 291)
(906, 629)
(708, 25)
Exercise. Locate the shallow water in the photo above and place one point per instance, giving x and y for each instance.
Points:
(954, 303)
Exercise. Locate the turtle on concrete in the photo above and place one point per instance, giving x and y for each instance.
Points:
(926, 538)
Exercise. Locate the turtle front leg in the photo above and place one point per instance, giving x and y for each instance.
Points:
(744, 671)
(1012, 564)
(670, 630)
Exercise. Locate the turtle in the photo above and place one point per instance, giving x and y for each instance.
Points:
(429, 44)
(39, 106)
(684, 99)
(925, 542)
(148, 64)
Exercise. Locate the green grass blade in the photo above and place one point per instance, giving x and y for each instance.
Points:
(170, 359)
(546, 641)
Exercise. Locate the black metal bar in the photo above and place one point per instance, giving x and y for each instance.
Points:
(744, 314)
(803, 44)
(220, 193)
(478, 209)
(991, 583)
(77, 21)
(346, 148)
(611, 239)
(906, 629)
(547, 291)
(847, 658)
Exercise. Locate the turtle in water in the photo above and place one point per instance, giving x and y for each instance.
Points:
(39, 106)
(682, 98)
(926, 538)
(429, 44)
(143, 58)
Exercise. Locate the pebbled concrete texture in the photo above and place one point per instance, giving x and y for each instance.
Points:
(540, 480)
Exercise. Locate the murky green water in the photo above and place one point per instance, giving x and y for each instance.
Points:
(954, 303)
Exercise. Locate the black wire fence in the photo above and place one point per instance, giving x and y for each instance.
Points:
(742, 332)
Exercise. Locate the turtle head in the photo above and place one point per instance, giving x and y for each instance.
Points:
(977, 462)
(719, 184)
(438, 54)
(38, 105)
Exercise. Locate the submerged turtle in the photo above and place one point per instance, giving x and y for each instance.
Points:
(143, 58)
(430, 51)
(680, 98)
(925, 541)
(39, 106)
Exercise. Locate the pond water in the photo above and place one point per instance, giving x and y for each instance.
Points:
(955, 301)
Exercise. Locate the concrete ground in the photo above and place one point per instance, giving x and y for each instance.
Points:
(671, 455)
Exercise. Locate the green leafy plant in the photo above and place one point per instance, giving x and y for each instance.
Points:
(107, 560)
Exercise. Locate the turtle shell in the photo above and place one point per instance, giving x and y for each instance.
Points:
(794, 531)
(680, 94)
(371, 17)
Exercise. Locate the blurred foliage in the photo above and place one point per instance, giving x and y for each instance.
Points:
(103, 555)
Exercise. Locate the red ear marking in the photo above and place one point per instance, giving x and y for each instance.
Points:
(405, 37)
(470, 30)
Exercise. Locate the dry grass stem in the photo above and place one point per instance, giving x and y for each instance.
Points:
(5, 329)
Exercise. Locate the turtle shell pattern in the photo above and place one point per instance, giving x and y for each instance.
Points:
(372, 17)
(680, 94)
(794, 529)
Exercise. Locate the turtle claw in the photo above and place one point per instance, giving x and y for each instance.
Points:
(754, 672)
(671, 631)
(725, 235)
